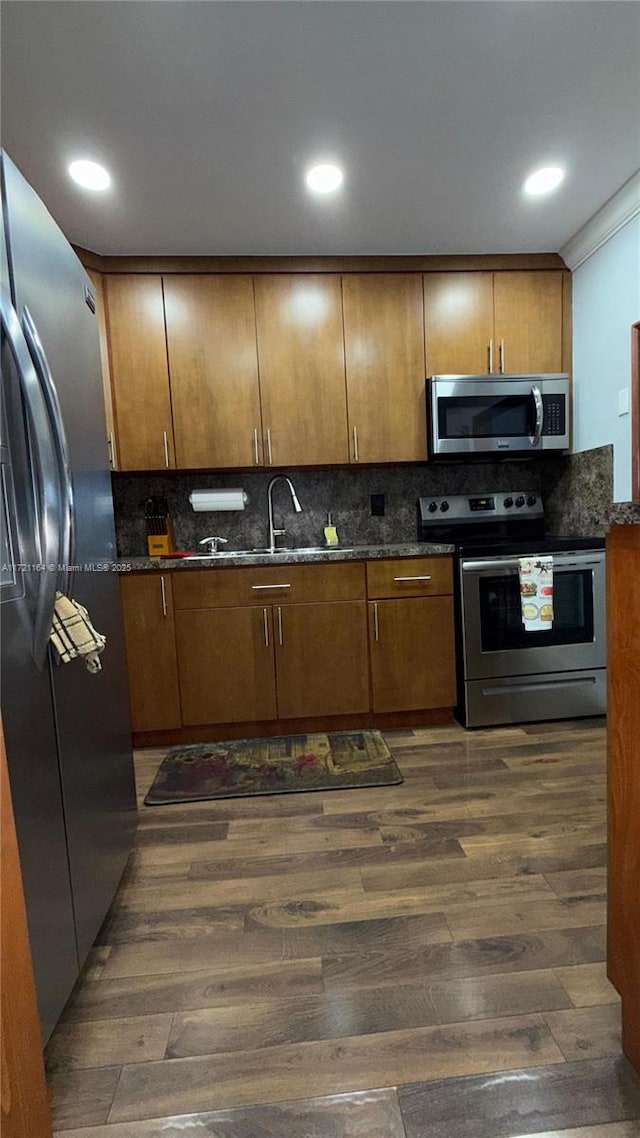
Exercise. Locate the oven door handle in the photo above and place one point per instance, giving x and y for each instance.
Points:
(539, 408)
(510, 566)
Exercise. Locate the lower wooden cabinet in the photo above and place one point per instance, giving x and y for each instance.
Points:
(226, 665)
(412, 653)
(321, 659)
(147, 610)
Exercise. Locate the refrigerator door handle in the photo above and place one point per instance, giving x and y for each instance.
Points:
(46, 477)
(43, 371)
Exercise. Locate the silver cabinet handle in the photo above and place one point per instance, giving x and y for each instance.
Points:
(376, 626)
(256, 450)
(490, 355)
(166, 448)
(280, 637)
(265, 617)
(425, 578)
(112, 450)
(356, 453)
(269, 452)
(257, 587)
(163, 595)
(502, 357)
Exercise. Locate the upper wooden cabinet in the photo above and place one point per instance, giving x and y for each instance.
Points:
(483, 322)
(98, 284)
(301, 356)
(528, 322)
(384, 347)
(458, 321)
(213, 366)
(139, 371)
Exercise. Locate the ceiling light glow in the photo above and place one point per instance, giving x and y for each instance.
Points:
(90, 175)
(543, 181)
(324, 179)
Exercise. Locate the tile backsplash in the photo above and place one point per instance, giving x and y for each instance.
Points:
(345, 492)
(577, 491)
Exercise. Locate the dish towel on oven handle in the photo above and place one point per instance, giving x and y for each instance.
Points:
(536, 592)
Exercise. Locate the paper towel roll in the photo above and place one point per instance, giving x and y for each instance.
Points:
(235, 499)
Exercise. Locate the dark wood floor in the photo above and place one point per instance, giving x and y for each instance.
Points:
(419, 961)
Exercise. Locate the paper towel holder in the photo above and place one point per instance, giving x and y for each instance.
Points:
(234, 498)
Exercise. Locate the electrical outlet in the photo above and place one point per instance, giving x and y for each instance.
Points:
(377, 505)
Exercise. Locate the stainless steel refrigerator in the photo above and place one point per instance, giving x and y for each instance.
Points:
(67, 731)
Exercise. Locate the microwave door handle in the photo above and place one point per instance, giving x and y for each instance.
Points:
(58, 433)
(539, 408)
(44, 473)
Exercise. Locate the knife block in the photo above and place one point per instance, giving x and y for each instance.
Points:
(159, 543)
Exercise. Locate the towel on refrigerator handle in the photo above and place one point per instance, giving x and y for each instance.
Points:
(536, 592)
(73, 634)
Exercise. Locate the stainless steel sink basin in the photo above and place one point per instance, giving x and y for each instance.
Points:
(221, 555)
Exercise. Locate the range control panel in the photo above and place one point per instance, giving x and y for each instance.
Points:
(502, 506)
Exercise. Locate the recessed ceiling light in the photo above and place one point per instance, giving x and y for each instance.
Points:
(543, 181)
(90, 175)
(324, 179)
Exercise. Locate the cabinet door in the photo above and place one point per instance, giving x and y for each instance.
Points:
(301, 355)
(98, 285)
(528, 322)
(458, 323)
(384, 347)
(321, 659)
(139, 371)
(412, 653)
(213, 364)
(226, 665)
(147, 608)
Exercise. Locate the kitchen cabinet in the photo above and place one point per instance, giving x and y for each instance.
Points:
(528, 322)
(322, 659)
(302, 376)
(411, 632)
(147, 609)
(226, 664)
(483, 322)
(139, 371)
(458, 322)
(213, 366)
(97, 280)
(384, 350)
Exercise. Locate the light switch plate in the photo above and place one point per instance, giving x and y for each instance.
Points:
(623, 401)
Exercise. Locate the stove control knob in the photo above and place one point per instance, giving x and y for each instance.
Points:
(520, 501)
(508, 502)
(433, 506)
(444, 506)
(532, 500)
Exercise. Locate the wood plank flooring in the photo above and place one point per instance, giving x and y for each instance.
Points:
(415, 961)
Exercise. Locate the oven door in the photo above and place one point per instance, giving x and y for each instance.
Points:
(480, 414)
(494, 639)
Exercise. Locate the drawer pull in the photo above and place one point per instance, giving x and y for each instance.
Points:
(271, 587)
(412, 578)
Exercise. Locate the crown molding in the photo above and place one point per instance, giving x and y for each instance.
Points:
(617, 212)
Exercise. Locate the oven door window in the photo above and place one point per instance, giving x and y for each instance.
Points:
(501, 624)
(486, 416)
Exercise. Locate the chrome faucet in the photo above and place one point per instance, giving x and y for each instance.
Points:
(273, 532)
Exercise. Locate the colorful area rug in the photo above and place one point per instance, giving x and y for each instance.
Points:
(283, 765)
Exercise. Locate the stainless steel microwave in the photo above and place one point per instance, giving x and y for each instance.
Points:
(510, 414)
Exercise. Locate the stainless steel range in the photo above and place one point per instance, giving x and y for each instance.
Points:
(507, 674)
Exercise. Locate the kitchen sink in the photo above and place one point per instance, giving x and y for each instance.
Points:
(222, 554)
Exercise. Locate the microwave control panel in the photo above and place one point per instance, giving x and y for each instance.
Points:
(555, 420)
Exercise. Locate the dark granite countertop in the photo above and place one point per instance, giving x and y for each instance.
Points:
(286, 557)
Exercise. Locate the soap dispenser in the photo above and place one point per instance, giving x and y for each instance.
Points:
(330, 532)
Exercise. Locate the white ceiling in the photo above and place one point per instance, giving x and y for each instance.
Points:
(208, 113)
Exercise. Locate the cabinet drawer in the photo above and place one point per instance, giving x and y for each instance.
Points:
(418, 577)
(268, 584)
